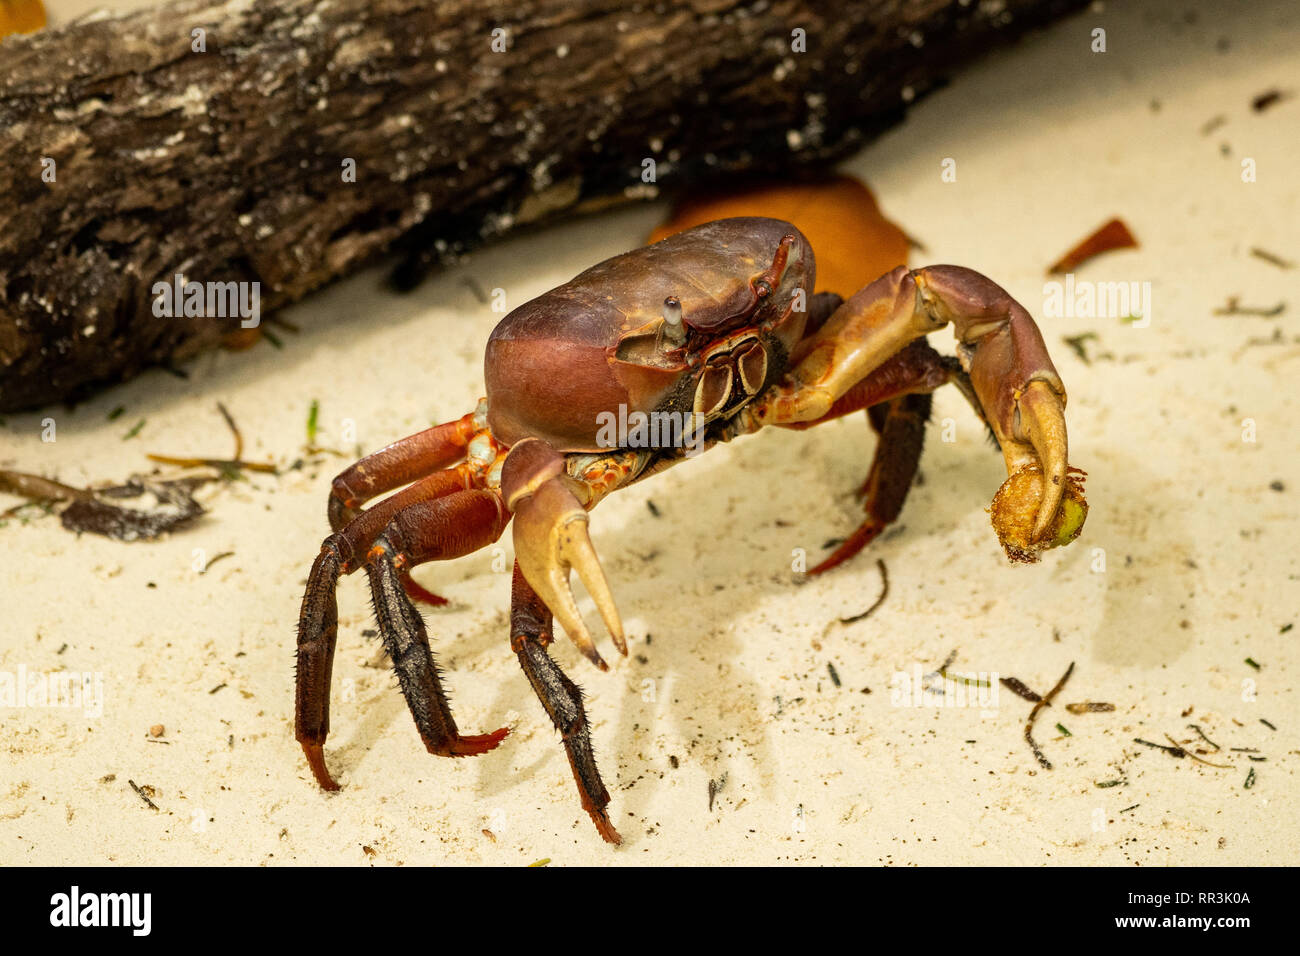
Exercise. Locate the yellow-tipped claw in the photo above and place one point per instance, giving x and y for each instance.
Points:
(1042, 422)
(550, 540)
(1041, 505)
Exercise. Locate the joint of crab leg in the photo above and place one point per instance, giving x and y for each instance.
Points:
(551, 539)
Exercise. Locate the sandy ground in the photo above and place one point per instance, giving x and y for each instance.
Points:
(1187, 567)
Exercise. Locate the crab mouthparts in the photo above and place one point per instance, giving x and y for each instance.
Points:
(733, 374)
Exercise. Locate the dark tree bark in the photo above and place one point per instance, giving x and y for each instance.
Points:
(227, 165)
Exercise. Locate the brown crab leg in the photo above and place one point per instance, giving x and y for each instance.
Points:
(397, 464)
(897, 400)
(530, 634)
(999, 344)
(342, 553)
(900, 423)
(437, 530)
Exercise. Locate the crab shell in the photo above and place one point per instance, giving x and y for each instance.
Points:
(601, 342)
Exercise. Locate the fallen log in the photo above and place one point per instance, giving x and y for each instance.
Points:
(288, 142)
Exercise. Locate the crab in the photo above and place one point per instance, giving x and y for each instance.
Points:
(717, 332)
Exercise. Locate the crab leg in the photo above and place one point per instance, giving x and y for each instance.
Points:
(896, 397)
(551, 539)
(530, 634)
(900, 423)
(342, 553)
(999, 345)
(436, 530)
(398, 464)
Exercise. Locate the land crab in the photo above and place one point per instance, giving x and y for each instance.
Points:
(717, 328)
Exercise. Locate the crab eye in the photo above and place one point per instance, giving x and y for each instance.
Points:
(762, 288)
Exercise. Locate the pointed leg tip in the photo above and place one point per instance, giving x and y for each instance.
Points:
(607, 831)
(862, 536)
(316, 760)
(418, 593)
(478, 744)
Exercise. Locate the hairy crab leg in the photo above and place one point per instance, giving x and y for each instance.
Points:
(999, 344)
(342, 553)
(896, 397)
(530, 634)
(437, 530)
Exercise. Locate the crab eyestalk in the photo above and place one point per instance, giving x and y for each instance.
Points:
(1041, 505)
(551, 539)
(674, 329)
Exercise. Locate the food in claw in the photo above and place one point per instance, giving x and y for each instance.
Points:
(1015, 507)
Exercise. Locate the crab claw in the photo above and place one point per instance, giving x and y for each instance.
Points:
(551, 539)
(1023, 399)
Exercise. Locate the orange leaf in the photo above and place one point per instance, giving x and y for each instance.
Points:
(21, 16)
(853, 241)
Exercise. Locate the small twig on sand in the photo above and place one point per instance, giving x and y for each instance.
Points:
(1220, 766)
(1018, 687)
(223, 465)
(1090, 707)
(1271, 258)
(143, 796)
(884, 593)
(1174, 751)
(1200, 733)
(1234, 307)
(1033, 715)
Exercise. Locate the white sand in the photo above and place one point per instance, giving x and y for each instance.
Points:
(1200, 557)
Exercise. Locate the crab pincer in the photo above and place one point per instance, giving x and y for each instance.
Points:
(1023, 399)
(551, 539)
